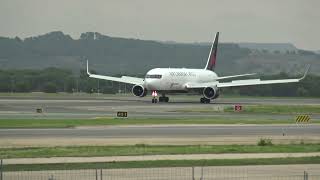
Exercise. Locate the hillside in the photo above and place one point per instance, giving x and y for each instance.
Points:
(110, 55)
(271, 47)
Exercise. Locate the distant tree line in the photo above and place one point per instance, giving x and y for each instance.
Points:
(53, 80)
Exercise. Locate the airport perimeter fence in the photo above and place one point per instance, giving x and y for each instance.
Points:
(173, 173)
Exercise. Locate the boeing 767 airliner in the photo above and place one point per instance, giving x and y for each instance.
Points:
(184, 80)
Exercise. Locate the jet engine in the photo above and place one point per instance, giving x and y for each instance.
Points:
(211, 92)
(139, 91)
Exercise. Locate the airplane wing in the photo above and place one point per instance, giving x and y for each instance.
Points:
(123, 79)
(233, 76)
(247, 82)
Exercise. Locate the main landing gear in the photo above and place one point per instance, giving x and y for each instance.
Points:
(163, 99)
(204, 100)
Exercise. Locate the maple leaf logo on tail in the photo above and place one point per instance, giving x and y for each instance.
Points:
(211, 63)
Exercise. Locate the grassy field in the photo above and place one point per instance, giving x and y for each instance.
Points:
(69, 123)
(280, 109)
(264, 109)
(164, 163)
(87, 151)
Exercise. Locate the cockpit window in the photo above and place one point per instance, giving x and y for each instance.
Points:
(154, 76)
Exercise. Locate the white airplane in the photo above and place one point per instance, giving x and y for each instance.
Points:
(184, 80)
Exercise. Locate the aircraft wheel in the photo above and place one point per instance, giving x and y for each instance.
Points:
(163, 99)
(204, 100)
(155, 100)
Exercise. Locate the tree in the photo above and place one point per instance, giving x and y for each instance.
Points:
(302, 91)
(265, 51)
(50, 87)
(87, 36)
(22, 87)
(276, 52)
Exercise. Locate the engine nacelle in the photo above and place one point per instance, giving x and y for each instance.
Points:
(211, 92)
(139, 91)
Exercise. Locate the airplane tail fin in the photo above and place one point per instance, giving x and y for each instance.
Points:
(211, 63)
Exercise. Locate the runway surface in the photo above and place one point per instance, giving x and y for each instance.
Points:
(55, 160)
(90, 107)
(163, 131)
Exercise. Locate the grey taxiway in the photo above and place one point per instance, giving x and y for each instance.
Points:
(164, 131)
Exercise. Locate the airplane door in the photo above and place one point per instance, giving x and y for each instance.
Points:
(165, 81)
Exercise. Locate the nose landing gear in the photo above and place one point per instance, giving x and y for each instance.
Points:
(154, 100)
(163, 98)
(154, 95)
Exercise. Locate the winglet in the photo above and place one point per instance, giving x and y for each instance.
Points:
(88, 68)
(306, 72)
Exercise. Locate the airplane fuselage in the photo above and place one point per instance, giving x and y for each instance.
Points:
(176, 79)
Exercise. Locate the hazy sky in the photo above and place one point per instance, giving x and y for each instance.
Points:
(294, 21)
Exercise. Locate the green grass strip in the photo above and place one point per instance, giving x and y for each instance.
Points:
(260, 109)
(164, 163)
(279, 109)
(69, 123)
(141, 149)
